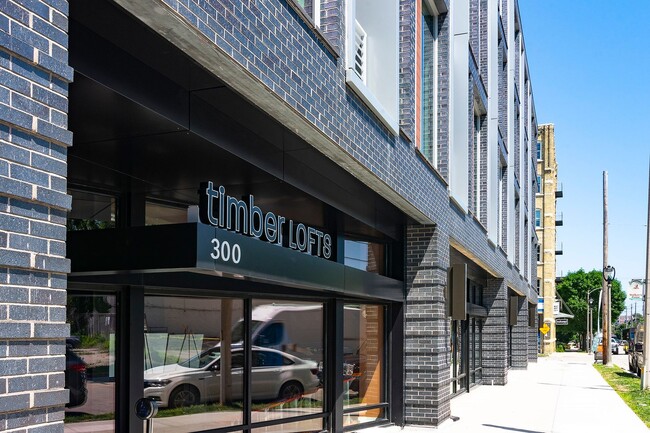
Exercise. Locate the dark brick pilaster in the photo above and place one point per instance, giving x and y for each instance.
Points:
(495, 333)
(427, 328)
(532, 337)
(520, 336)
(34, 138)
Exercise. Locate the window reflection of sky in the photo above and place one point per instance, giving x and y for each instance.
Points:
(356, 254)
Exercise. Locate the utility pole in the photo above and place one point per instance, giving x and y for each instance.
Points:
(645, 374)
(607, 356)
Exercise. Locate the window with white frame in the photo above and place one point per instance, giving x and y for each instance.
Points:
(538, 217)
(429, 84)
(311, 8)
(539, 184)
(539, 253)
(539, 150)
(372, 56)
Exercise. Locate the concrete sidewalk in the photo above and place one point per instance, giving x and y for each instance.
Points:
(562, 393)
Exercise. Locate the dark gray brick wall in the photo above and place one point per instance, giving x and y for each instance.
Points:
(483, 183)
(495, 333)
(520, 336)
(331, 23)
(444, 41)
(34, 77)
(532, 336)
(472, 151)
(503, 86)
(426, 357)
(407, 68)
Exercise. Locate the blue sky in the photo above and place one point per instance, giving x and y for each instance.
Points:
(589, 64)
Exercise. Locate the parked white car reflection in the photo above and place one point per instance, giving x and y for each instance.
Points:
(275, 375)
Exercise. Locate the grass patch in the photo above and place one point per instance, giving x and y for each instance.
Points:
(628, 386)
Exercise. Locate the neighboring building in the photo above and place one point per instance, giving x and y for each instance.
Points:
(546, 221)
(323, 209)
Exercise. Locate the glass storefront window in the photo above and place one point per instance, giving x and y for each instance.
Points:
(459, 355)
(286, 379)
(91, 211)
(159, 214)
(90, 363)
(477, 354)
(193, 367)
(367, 256)
(364, 357)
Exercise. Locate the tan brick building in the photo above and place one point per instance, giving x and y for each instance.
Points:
(546, 221)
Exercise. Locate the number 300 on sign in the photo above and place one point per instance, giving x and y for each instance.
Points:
(225, 252)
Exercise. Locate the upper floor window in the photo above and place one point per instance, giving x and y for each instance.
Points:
(539, 150)
(538, 217)
(429, 84)
(367, 256)
(372, 57)
(477, 163)
(91, 211)
(501, 194)
(312, 9)
(539, 184)
(163, 213)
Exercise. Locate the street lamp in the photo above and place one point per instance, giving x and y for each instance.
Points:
(609, 272)
(590, 324)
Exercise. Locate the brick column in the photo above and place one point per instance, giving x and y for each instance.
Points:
(33, 203)
(426, 358)
(495, 333)
(520, 336)
(532, 336)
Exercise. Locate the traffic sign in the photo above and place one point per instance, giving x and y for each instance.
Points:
(545, 328)
(562, 321)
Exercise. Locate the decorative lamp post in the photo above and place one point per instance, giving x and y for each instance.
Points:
(590, 325)
(590, 318)
(609, 273)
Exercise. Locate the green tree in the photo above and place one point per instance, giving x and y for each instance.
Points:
(573, 289)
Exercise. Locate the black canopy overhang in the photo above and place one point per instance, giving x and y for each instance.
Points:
(127, 255)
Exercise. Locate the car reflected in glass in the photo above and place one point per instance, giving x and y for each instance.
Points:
(276, 376)
(75, 379)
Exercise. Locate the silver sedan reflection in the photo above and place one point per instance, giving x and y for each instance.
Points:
(275, 376)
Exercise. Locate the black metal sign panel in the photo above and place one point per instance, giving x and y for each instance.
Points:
(238, 255)
(209, 250)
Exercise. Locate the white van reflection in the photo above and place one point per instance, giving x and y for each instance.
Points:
(292, 328)
(275, 376)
